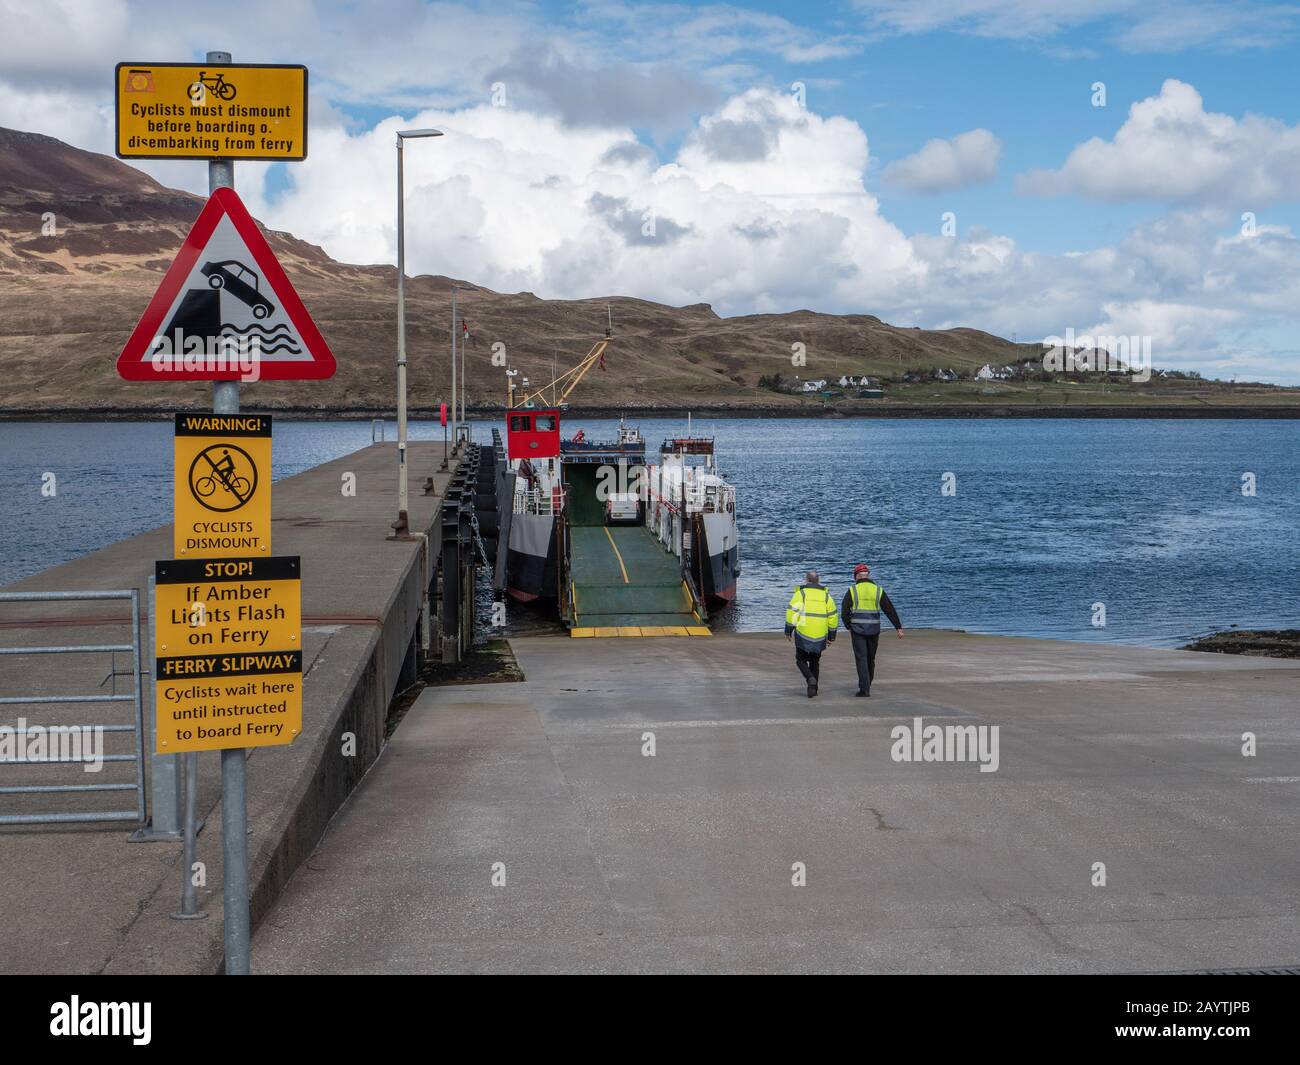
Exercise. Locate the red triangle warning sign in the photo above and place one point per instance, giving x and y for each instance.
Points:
(225, 311)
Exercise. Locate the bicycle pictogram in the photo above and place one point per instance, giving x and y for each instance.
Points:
(218, 86)
(223, 477)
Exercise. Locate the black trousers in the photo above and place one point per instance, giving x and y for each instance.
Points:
(864, 654)
(810, 665)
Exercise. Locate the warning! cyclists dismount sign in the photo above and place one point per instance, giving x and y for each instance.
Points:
(223, 486)
(225, 311)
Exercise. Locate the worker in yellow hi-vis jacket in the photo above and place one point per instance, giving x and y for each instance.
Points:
(811, 620)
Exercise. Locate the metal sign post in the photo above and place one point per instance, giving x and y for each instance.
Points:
(234, 768)
(225, 282)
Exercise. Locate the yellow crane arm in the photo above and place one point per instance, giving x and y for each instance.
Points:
(560, 388)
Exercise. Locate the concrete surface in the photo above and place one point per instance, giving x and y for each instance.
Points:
(81, 898)
(617, 862)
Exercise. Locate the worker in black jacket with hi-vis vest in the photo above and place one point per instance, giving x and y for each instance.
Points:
(861, 613)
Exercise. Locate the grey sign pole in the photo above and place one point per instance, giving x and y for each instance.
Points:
(189, 910)
(234, 766)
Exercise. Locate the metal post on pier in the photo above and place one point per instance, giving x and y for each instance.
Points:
(450, 556)
(234, 761)
(402, 526)
(189, 910)
(455, 433)
(165, 813)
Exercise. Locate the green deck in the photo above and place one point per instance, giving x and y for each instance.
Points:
(623, 577)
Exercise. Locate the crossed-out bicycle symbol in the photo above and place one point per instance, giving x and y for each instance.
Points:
(219, 480)
(218, 86)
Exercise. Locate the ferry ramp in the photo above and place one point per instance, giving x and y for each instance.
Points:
(623, 583)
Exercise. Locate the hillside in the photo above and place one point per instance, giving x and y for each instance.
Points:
(68, 301)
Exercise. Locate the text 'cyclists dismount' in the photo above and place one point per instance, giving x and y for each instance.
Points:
(223, 485)
(228, 646)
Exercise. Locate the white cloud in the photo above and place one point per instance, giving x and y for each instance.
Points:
(763, 209)
(1171, 149)
(63, 39)
(520, 201)
(1133, 25)
(1210, 297)
(946, 165)
(641, 94)
(708, 33)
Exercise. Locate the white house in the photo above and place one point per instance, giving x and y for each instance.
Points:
(814, 386)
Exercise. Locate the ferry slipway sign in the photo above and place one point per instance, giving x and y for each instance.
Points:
(225, 311)
(228, 646)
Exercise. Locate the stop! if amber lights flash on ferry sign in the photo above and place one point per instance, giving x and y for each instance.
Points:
(211, 111)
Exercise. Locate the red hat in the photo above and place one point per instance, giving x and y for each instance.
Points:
(861, 567)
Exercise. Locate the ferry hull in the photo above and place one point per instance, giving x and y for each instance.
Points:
(719, 548)
(530, 557)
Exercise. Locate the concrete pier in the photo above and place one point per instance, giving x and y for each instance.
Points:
(616, 861)
(81, 898)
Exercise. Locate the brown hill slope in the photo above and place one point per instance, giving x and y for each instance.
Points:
(69, 301)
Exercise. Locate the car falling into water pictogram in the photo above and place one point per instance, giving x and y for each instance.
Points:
(234, 277)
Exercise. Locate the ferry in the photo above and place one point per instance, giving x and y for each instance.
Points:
(610, 537)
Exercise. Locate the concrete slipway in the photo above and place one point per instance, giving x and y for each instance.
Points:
(615, 861)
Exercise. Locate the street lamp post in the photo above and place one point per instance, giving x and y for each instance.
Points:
(402, 526)
(455, 431)
(457, 344)
(464, 374)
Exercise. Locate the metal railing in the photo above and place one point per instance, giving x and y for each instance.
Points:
(545, 502)
(136, 697)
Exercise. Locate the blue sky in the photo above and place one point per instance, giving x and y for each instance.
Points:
(1125, 218)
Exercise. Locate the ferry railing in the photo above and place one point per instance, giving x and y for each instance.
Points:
(539, 501)
(60, 737)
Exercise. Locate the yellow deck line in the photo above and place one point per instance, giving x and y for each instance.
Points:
(616, 554)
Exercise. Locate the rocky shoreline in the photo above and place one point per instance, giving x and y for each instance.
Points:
(1265, 643)
(706, 410)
